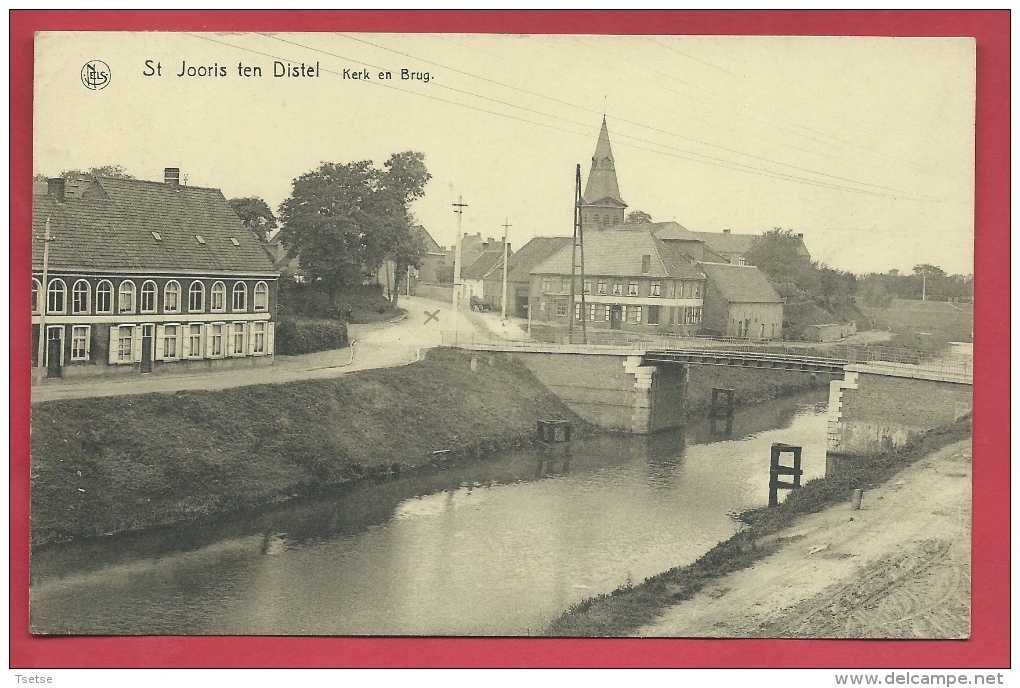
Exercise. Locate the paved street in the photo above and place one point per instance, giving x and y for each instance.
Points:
(379, 345)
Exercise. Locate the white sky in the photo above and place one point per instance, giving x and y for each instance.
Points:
(746, 133)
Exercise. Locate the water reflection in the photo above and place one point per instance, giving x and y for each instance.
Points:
(498, 546)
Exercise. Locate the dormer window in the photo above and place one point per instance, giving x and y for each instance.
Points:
(199, 239)
(234, 241)
(156, 236)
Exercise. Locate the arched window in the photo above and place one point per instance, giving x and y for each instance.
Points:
(218, 297)
(80, 293)
(240, 302)
(104, 297)
(126, 297)
(261, 297)
(172, 297)
(148, 297)
(36, 288)
(196, 297)
(56, 295)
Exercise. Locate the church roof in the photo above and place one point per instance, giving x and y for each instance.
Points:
(602, 184)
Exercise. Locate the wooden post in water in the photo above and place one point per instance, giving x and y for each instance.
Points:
(722, 407)
(777, 469)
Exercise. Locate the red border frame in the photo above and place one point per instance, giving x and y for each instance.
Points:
(989, 643)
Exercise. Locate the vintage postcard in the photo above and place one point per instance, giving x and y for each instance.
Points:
(463, 334)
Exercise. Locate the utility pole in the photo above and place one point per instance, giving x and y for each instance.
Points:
(459, 209)
(578, 248)
(924, 286)
(407, 285)
(44, 294)
(506, 251)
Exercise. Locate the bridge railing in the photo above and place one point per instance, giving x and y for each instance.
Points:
(949, 366)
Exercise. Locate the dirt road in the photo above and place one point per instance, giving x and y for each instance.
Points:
(898, 568)
(381, 345)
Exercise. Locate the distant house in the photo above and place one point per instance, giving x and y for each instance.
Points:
(740, 302)
(147, 277)
(475, 277)
(725, 246)
(435, 259)
(288, 266)
(472, 248)
(632, 281)
(519, 268)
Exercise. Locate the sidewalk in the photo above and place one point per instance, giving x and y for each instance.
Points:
(379, 345)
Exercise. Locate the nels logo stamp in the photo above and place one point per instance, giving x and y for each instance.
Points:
(95, 75)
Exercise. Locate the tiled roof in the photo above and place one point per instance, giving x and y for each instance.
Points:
(483, 265)
(431, 245)
(719, 242)
(111, 228)
(740, 283)
(520, 264)
(621, 253)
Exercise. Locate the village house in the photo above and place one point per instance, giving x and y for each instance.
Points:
(518, 278)
(632, 281)
(722, 247)
(740, 302)
(653, 277)
(147, 277)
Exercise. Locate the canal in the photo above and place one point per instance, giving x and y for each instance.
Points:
(499, 546)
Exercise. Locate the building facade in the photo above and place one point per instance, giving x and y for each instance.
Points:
(147, 277)
(740, 302)
(632, 282)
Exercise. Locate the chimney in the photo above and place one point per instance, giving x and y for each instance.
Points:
(55, 188)
(726, 231)
(491, 240)
(646, 263)
(172, 177)
(800, 236)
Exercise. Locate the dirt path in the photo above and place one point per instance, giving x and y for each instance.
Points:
(898, 568)
(380, 345)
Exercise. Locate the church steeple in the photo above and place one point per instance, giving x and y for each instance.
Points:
(603, 206)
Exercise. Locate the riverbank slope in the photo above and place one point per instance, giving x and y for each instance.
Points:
(888, 555)
(112, 464)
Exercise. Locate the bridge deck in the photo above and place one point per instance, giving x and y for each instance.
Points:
(800, 356)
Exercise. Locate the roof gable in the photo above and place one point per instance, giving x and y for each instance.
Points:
(520, 264)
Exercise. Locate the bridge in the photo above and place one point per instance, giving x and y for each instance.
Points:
(799, 356)
(879, 395)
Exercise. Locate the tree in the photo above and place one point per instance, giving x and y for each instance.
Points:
(777, 253)
(637, 217)
(115, 171)
(345, 220)
(255, 215)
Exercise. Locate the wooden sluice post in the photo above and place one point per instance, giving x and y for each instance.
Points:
(551, 434)
(777, 470)
(722, 408)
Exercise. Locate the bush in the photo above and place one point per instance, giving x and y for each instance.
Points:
(294, 337)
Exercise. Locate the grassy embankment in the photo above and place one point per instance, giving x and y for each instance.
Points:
(124, 463)
(923, 325)
(627, 609)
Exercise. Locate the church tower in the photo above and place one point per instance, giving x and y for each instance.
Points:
(601, 204)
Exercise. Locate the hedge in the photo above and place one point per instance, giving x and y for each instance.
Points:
(295, 337)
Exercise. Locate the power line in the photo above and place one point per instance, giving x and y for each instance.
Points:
(744, 105)
(709, 160)
(581, 107)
